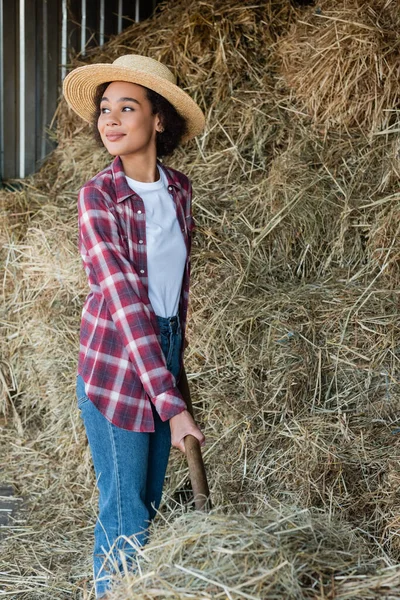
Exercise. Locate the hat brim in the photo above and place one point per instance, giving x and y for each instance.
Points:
(80, 86)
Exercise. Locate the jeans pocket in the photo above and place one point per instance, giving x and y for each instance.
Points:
(82, 401)
(80, 392)
(174, 352)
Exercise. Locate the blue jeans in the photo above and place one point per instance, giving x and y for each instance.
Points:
(130, 469)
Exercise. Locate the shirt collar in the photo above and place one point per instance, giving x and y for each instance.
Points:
(122, 189)
(172, 180)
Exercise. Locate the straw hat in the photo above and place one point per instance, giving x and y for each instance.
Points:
(80, 86)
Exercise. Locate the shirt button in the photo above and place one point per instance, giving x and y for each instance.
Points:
(139, 212)
(142, 270)
(170, 188)
(140, 241)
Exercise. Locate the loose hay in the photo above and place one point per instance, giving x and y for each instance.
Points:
(276, 554)
(342, 60)
(293, 329)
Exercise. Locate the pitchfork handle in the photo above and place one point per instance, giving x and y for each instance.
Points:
(197, 472)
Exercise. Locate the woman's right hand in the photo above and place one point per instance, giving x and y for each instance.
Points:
(182, 425)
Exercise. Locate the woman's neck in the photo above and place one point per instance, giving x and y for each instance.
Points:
(141, 168)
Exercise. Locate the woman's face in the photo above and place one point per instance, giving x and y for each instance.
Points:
(126, 123)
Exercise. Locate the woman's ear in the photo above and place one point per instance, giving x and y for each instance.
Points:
(159, 125)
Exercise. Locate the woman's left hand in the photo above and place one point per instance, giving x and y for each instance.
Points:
(182, 425)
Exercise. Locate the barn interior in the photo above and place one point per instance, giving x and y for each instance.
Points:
(293, 356)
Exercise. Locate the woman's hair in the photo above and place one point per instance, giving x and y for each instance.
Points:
(173, 123)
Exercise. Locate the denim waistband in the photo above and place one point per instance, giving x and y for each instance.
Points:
(169, 324)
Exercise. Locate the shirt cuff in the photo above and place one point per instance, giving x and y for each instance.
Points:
(170, 403)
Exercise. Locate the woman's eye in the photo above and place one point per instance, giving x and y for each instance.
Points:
(105, 110)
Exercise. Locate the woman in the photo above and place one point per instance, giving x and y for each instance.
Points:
(135, 226)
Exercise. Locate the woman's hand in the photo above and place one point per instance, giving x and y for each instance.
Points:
(182, 425)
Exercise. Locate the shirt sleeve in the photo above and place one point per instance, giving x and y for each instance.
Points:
(121, 287)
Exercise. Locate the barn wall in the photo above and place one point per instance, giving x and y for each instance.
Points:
(37, 38)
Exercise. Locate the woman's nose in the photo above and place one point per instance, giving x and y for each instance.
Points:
(112, 118)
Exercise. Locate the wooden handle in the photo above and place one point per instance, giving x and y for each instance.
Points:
(197, 472)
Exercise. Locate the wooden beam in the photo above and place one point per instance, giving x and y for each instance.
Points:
(9, 57)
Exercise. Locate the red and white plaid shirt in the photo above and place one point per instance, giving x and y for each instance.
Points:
(120, 357)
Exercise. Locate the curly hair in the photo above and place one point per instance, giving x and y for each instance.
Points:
(174, 124)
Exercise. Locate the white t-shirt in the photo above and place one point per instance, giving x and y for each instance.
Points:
(166, 249)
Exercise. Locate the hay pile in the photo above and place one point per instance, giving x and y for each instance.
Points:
(342, 62)
(293, 329)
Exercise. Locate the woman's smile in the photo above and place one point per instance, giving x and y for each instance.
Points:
(114, 136)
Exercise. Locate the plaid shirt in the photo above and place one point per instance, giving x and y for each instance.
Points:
(120, 357)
